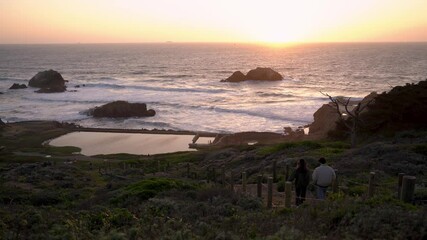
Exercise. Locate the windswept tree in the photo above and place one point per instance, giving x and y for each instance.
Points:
(349, 113)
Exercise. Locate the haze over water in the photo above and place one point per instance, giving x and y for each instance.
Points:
(181, 81)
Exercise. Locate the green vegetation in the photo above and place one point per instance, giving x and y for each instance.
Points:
(125, 196)
(149, 188)
(304, 145)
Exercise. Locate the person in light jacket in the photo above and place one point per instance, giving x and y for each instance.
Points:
(301, 175)
(323, 176)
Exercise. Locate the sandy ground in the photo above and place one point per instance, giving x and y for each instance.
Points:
(93, 143)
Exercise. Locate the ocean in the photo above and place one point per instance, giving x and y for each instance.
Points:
(182, 81)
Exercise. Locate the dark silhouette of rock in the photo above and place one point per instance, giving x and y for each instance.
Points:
(402, 108)
(263, 74)
(18, 86)
(2, 124)
(237, 76)
(49, 81)
(122, 109)
(258, 74)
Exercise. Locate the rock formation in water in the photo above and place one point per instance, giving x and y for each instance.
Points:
(18, 86)
(122, 109)
(237, 76)
(258, 74)
(48, 81)
(263, 74)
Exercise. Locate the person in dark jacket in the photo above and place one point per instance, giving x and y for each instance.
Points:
(301, 175)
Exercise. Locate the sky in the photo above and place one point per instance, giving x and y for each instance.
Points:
(267, 21)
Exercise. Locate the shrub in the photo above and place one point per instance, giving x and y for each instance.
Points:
(149, 188)
(304, 145)
(421, 149)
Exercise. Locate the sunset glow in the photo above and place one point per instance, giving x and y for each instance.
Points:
(104, 21)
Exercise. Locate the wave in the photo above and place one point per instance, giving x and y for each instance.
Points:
(158, 89)
(109, 79)
(13, 79)
(63, 100)
(225, 110)
(139, 72)
(175, 76)
(264, 94)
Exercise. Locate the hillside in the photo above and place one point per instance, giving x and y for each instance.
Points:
(49, 192)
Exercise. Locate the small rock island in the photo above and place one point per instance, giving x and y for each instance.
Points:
(122, 109)
(49, 81)
(258, 74)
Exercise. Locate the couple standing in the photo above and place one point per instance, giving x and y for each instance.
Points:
(322, 176)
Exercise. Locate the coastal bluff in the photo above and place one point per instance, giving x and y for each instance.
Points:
(121, 109)
(258, 74)
(49, 81)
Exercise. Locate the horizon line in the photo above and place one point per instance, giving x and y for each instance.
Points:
(195, 42)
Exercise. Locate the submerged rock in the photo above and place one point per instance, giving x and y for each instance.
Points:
(54, 89)
(18, 86)
(49, 81)
(258, 74)
(122, 109)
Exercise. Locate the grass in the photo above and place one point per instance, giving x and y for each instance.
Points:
(304, 145)
(62, 201)
(148, 188)
(316, 149)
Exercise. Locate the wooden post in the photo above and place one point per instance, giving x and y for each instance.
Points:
(213, 175)
(274, 171)
(371, 188)
(208, 174)
(244, 182)
(231, 181)
(408, 188)
(188, 170)
(270, 192)
(335, 183)
(259, 186)
(287, 172)
(288, 194)
(399, 185)
(223, 176)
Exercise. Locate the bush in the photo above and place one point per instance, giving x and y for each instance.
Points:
(149, 188)
(421, 149)
(304, 145)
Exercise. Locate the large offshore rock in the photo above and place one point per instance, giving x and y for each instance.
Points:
(258, 74)
(49, 81)
(266, 74)
(122, 109)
